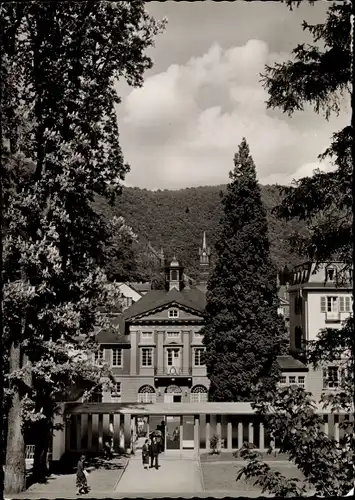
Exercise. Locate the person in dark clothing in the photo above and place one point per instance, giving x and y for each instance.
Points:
(108, 450)
(145, 454)
(154, 452)
(161, 427)
(81, 481)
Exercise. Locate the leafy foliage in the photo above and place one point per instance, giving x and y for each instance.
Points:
(319, 78)
(327, 465)
(161, 218)
(242, 331)
(60, 148)
(322, 79)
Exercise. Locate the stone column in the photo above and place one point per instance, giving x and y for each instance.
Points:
(95, 429)
(58, 446)
(326, 425)
(229, 434)
(197, 434)
(181, 432)
(240, 434)
(261, 437)
(100, 433)
(251, 432)
(208, 432)
(219, 430)
(116, 431)
(127, 432)
(105, 425)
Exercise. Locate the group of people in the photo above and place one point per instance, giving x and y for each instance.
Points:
(154, 445)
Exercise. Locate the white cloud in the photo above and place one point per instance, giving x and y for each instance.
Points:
(184, 125)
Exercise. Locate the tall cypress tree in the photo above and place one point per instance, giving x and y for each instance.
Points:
(242, 330)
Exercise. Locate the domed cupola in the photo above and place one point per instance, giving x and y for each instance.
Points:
(174, 275)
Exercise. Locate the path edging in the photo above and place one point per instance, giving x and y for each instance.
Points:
(119, 479)
(201, 474)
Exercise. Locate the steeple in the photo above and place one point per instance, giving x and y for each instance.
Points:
(204, 253)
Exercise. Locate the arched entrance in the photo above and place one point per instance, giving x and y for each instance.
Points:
(173, 394)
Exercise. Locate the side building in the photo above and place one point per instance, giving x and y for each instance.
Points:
(319, 297)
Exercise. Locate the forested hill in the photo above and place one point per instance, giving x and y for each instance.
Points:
(175, 221)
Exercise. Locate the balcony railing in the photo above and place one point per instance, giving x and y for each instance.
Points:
(172, 371)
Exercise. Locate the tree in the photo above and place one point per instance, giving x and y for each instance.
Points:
(60, 148)
(243, 330)
(324, 201)
(322, 79)
(327, 465)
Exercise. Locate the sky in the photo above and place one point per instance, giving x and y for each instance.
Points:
(203, 95)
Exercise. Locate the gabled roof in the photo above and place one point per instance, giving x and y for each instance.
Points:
(113, 334)
(192, 299)
(289, 363)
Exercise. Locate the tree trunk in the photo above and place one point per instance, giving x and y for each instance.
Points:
(15, 467)
(40, 462)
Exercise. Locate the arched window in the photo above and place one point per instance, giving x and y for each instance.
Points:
(174, 275)
(199, 394)
(175, 389)
(146, 394)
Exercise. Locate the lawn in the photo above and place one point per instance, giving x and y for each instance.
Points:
(222, 477)
(227, 456)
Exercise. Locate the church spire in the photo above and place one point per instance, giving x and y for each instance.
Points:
(204, 253)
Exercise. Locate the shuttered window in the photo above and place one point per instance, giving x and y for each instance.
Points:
(344, 304)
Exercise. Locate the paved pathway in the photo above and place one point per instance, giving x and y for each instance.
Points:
(175, 475)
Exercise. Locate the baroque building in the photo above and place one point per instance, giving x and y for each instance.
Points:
(154, 348)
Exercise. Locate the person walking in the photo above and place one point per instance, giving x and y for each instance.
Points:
(145, 454)
(81, 481)
(154, 452)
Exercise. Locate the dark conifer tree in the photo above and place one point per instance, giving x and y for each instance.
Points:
(242, 330)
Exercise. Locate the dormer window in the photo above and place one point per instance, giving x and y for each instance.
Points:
(173, 313)
(330, 274)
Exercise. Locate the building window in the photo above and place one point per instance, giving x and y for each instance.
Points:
(344, 304)
(173, 275)
(96, 395)
(147, 335)
(292, 380)
(283, 380)
(173, 335)
(329, 304)
(173, 313)
(298, 337)
(301, 381)
(146, 394)
(331, 377)
(99, 356)
(199, 356)
(147, 356)
(199, 394)
(116, 356)
(116, 395)
(330, 274)
(173, 357)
